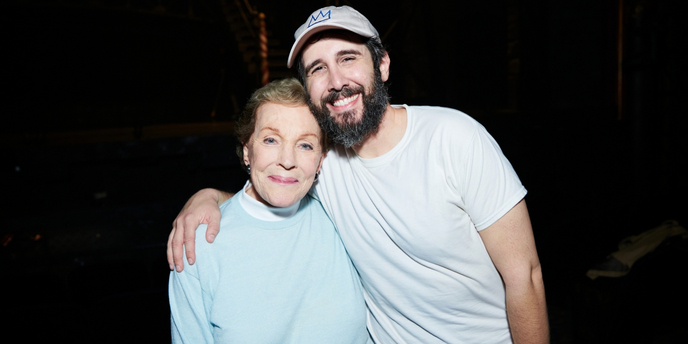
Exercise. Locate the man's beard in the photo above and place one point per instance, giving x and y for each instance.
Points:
(349, 132)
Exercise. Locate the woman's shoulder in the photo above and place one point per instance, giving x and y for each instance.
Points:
(315, 210)
(228, 215)
(311, 203)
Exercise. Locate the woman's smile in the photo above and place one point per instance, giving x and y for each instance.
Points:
(283, 180)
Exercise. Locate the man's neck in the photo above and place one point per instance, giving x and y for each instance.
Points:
(391, 131)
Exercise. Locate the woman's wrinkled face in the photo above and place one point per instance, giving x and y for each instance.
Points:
(284, 153)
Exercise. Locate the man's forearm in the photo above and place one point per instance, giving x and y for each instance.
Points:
(218, 196)
(527, 310)
(511, 245)
(223, 196)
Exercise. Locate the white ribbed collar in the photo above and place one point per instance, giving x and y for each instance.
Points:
(263, 212)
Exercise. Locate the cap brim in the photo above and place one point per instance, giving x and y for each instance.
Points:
(296, 48)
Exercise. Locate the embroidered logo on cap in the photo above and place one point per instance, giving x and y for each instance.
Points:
(321, 17)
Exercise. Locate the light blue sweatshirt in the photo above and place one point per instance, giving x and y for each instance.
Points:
(287, 281)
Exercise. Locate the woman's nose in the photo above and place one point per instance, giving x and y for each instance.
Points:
(287, 158)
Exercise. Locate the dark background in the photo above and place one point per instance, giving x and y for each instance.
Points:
(116, 111)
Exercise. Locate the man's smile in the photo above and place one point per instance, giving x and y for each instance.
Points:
(345, 101)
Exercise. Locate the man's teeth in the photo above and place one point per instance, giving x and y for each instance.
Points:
(344, 101)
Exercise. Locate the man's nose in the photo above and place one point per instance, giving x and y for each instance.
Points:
(337, 79)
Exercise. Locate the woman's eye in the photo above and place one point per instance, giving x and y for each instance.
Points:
(269, 140)
(306, 146)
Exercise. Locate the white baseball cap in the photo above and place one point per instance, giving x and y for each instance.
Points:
(327, 18)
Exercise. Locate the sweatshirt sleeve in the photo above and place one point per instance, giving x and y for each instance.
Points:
(189, 307)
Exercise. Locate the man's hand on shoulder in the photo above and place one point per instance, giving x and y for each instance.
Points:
(202, 207)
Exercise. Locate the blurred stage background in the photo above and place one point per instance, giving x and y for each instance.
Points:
(116, 111)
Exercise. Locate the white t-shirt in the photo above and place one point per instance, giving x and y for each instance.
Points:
(409, 220)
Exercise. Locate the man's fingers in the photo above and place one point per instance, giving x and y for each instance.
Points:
(190, 239)
(213, 229)
(213, 224)
(170, 256)
(178, 247)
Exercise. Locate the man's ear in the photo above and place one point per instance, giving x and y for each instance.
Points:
(384, 67)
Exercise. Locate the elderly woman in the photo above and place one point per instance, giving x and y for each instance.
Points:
(278, 272)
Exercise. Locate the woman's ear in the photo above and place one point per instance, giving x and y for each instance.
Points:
(246, 163)
(321, 161)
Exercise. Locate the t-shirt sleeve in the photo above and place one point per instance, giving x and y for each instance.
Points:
(490, 185)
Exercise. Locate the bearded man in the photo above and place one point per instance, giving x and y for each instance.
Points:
(430, 211)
